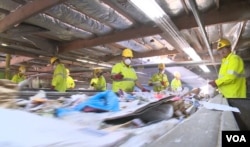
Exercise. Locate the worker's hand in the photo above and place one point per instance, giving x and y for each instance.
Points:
(212, 83)
(118, 76)
(150, 84)
(163, 83)
(52, 87)
(145, 90)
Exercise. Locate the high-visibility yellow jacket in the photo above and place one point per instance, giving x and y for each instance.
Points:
(156, 79)
(231, 80)
(17, 78)
(99, 83)
(59, 80)
(127, 84)
(93, 81)
(70, 82)
(175, 84)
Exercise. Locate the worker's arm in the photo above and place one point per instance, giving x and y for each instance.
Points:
(138, 84)
(164, 81)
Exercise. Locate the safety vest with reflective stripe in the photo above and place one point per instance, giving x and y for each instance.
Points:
(59, 80)
(175, 84)
(231, 80)
(156, 79)
(127, 84)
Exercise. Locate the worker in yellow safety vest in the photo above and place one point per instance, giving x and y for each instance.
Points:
(99, 81)
(231, 81)
(159, 80)
(70, 80)
(19, 77)
(59, 80)
(176, 84)
(123, 74)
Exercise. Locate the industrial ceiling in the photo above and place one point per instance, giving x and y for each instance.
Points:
(87, 34)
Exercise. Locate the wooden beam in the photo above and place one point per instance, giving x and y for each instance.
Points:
(230, 11)
(115, 37)
(16, 60)
(142, 55)
(26, 11)
(16, 52)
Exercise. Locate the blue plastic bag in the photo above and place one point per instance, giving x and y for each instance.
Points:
(107, 101)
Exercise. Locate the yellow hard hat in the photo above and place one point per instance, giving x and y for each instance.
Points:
(223, 43)
(97, 71)
(53, 59)
(22, 68)
(127, 53)
(161, 66)
(67, 71)
(177, 74)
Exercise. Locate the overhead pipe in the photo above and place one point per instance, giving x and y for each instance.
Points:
(194, 9)
(201, 26)
(186, 63)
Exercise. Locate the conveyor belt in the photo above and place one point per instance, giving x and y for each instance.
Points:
(52, 94)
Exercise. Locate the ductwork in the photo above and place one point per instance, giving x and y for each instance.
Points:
(101, 12)
(152, 42)
(62, 30)
(172, 8)
(131, 10)
(133, 45)
(74, 17)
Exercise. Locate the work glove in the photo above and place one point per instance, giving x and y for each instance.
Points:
(118, 76)
(145, 90)
(52, 87)
(163, 83)
(212, 83)
(150, 84)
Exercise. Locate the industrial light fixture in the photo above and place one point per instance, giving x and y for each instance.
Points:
(4, 44)
(150, 8)
(155, 12)
(94, 63)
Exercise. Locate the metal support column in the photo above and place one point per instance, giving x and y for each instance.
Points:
(7, 67)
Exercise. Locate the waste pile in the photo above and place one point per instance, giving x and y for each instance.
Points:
(114, 119)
